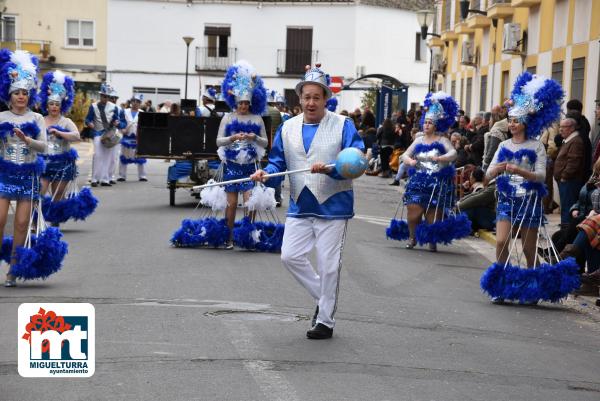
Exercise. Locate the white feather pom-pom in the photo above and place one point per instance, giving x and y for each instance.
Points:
(261, 198)
(214, 197)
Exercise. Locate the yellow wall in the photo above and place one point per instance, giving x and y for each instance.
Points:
(46, 20)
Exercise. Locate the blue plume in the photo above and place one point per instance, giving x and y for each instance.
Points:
(44, 258)
(227, 87)
(126, 160)
(549, 97)
(332, 104)
(397, 230)
(5, 80)
(203, 232)
(31, 129)
(236, 126)
(546, 282)
(67, 102)
(259, 97)
(450, 111)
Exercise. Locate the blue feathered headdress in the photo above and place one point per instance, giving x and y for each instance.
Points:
(18, 70)
(535, 101)
(442, 109)
(332, 104)
(242, 83)
(58, 87)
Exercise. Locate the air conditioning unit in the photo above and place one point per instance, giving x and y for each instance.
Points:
(512, 39)
(468, 53)
(437, 63)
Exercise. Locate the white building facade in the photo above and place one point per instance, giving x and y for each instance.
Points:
(146, 52)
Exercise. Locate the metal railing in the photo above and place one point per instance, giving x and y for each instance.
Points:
(214, 58)
(40, 48)
(294, 61)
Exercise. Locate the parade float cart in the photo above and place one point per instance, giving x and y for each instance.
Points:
(188, 141)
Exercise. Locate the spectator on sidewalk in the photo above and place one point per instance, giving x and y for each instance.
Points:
(569, 167)
(386, 136)
(480, 207)
(499, 133)
(547, 139)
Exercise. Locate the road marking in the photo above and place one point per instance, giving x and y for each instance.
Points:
(380, 221)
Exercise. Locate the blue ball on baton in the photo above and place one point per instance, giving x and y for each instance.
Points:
(351, 163)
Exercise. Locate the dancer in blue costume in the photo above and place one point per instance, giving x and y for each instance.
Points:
(321, 203)
(22, 139)
(242, 137)
(429, 192)
(57, 94)
(519, 166)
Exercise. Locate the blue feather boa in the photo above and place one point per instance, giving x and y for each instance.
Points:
(203, 232)
(397, 230)
(269, 240)
(503, 185)
(66, 103)
(443, 231)
(445, 173)
(546, 282)
(236, 126)
(518, 156)
(424, 148)
(126, 160)
(44, 258)
(77, 207)
(450, 112)
(549, 97)
(36, 167)
(70, 156)
(30, 129)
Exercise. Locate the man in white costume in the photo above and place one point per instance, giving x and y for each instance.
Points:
(321, 202)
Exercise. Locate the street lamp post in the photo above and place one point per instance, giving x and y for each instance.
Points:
(425, 19)
(187, 40)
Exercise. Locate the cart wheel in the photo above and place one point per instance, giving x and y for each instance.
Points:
(172, 194)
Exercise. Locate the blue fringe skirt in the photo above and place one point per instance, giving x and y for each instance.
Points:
(526, 209)
(234, 171)
(20, 182)
(422, 190)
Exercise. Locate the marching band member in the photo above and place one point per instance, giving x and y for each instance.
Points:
(242, 137)
(116, 149)
(320, 203)
(129, 141)
(102, 118)
(22, 139)
(208, 104)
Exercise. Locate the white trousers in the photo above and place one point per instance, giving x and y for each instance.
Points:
(112, 165)
(130, 154)
(100, 162)
(327, 238)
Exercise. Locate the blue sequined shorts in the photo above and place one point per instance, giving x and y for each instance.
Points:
(517, 210)
(19, 186)
(234, 171)
(63, 170)
(421, 189)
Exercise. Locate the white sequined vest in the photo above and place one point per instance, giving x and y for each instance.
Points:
(325, 147)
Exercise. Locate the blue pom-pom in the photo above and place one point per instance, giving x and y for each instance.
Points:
(31, 129)
(44, 258)
(77, 207)
(203, 232)
(397, 230)
(259, 98)
(546, 282)
(443, 231)
(269, 235)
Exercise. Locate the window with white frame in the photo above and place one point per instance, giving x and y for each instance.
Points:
(80, 33)
(7, 28)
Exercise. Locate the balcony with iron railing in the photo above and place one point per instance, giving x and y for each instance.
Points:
(215, 58)
(39, 48)
(293, 62)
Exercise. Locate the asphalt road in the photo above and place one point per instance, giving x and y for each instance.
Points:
(198, 324)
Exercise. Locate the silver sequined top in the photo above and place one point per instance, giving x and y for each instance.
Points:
(15, 150)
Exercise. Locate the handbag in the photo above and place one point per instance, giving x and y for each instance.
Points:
(111, 138)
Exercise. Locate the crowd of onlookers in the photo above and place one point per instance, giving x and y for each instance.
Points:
(573, 167)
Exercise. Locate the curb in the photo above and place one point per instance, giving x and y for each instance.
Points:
(487, 236)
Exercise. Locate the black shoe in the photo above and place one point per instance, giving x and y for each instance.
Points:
(314, 319)
(319, 332)
(278, 204)
(94, 184)
(112, 182)
(105, 184)
(143, 179)
(394, 183)
(121, 179)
